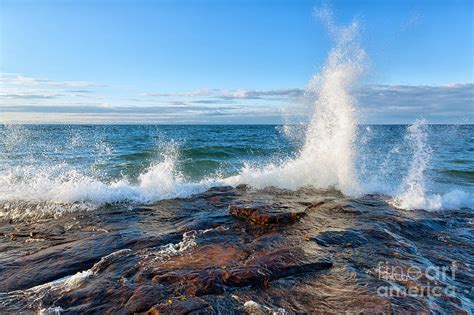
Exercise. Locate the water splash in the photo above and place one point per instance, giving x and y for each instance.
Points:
(412, 193)
(326, 159)
(33, 191)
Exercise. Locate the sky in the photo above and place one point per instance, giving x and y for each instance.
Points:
(180, 62)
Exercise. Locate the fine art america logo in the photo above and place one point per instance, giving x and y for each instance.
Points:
(435, 278)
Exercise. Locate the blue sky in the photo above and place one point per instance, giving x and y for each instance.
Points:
(226, 61)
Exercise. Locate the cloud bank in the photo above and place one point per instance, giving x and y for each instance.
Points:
(18, 79)
(240, 94)
(30, 100)
(451, 103)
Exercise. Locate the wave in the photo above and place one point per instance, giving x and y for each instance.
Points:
(469, 175)
(412, 193)
(224, 152)
(452, 200)
(26, 191)
(326, 159)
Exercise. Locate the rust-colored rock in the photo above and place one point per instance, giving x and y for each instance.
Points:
(194, 282)
(216, 255)
(247, 275)
(209, 269)
(264, 214)
(190, 256)
(199, 271)
(274, 265)
(285, 262)
(183, 305)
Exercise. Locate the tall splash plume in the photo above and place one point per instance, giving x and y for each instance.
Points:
(327, 156)
(412, 193)
(331, 133)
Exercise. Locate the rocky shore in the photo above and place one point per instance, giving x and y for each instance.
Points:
(233, 251)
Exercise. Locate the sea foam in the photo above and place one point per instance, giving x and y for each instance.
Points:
(29, 190)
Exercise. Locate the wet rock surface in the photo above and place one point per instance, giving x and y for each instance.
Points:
(264, 213)
(347, 238)
(236, 251)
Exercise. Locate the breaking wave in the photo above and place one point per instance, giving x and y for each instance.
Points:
(413, 194)
(325, 160)
(27, 190)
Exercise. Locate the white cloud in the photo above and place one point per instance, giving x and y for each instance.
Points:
(403, 103)
(18, 79)
(201, 92)
(233, 94)
(17, 89)
(377, 103)
(28, 95)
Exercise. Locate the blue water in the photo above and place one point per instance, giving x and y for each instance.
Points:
(97, 164)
